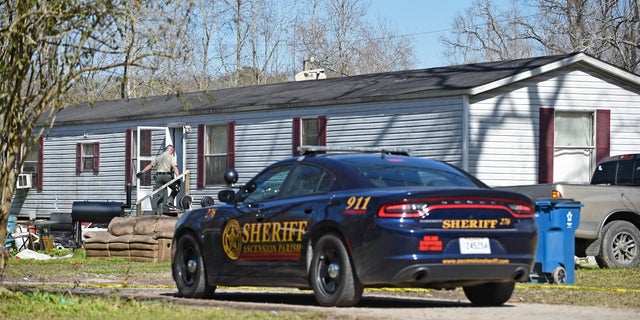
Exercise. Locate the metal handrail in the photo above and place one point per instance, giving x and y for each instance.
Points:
(186, 174)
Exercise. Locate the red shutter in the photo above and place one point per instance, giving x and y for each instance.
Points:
(78, 157)
(296, 135)
(96, 157)
(603, 134)
(40, 176)
(322, 130)
(545, 145)
(231, 145)
(128, 156)
(200, 165)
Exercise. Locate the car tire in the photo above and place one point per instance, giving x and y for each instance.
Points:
(490, 294)
(331, 275)
(188, 269)
(620, 245)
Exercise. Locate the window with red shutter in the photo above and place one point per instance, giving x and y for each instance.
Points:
(216, 152)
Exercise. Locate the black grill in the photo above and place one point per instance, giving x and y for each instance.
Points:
(96, 211)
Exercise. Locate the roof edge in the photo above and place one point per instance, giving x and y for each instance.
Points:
(564, 62)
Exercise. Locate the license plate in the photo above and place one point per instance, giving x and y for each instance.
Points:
(474, 246)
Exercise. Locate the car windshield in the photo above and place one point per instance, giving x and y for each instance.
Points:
(400, 174)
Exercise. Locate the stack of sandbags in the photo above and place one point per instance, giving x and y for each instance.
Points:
(145, 238)
(96, 244)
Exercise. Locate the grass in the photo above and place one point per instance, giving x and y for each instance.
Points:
(617, 288)
(43, 305)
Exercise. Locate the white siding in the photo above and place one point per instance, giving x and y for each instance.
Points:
(504, 123)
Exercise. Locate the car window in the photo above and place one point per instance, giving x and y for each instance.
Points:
(625, 173)
(636, 173)
(605, 173)
(308, 179)
(396, 175)
(267, 185)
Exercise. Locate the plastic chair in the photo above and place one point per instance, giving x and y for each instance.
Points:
(28, 238)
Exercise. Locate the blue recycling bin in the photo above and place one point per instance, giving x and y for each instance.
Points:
(9, 241)
(557, 219)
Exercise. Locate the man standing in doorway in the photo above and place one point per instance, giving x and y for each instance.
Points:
(166, 167)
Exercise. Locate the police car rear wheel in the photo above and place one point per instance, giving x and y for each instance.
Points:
(188, 269)
(489, 294)
(332, 277)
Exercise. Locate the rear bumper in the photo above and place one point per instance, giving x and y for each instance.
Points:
(441, 275)
(403, 259)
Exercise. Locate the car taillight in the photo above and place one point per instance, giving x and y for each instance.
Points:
(403, 210)
(556, 194)
(422, 208)
(521, 210)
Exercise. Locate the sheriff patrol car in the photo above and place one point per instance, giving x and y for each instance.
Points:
(339, 220)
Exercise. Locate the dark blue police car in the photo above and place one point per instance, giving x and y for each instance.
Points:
(337, 222)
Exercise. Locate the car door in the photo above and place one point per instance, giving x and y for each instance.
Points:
(279, 209)
(254, 237)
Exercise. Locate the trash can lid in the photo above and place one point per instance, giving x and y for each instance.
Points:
(543, 202)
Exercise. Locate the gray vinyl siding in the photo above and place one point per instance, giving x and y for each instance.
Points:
(429, 128)
(504, 125)
(62, 185)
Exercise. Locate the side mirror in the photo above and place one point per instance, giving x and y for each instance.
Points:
(231, 177)
(227, 196)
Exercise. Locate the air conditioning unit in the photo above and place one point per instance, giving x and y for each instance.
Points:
(24, 181)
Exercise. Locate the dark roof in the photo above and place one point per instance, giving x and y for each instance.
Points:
(364, 88)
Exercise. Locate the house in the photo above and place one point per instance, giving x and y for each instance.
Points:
(513, 122)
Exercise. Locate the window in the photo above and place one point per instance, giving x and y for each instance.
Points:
(216, 152)
(308, 180)
(267, 185)
(571, 143)
(618, 173)
(309, 131)
(88, 157)
(34, 162)
(605, 173)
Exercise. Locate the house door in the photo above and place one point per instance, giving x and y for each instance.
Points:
(150, 142)
(574, 150)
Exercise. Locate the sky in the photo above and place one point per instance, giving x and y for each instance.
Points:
(425, 20)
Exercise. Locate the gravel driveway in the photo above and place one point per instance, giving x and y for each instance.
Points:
(376, 304)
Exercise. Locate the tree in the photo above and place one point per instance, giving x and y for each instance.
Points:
(605, 29)
(46, 48)
(483, 33)
(337, 36)
(151, 36)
